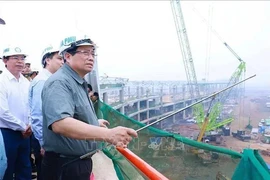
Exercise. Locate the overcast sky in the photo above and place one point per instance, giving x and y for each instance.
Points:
(138, 39)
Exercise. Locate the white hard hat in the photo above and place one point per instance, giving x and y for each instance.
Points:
(74, 41)
(47, 51)
(13, 50)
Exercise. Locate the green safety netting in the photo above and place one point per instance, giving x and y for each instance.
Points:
(179, 157)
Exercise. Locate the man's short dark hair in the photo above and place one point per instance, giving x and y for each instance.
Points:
(96, 94)
(33, 72)
(89, 87)
(49, 56)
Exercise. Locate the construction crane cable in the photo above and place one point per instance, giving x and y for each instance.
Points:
(215, 32)
(208, 43)
(220, 38)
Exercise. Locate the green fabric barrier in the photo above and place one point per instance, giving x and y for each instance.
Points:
(174, 156)
(251, 167)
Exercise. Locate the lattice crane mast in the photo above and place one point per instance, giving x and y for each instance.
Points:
(185, 48)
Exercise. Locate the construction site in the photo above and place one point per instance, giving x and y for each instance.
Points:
(191, 129)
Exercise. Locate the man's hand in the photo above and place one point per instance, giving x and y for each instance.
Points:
(27, 133)
(103, 123)
(121, 136)
(42, 152)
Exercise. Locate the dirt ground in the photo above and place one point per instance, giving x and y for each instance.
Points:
(253, 107)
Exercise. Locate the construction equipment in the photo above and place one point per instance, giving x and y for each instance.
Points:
(185, 49)
(215, 113)
(191, 73)
(241, 134)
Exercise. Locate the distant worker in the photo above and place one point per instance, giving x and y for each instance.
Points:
(33, 74)
(95, 100)
(26, 70)
(14, 122)
(51, 62)
(70, 126)
(95, 97)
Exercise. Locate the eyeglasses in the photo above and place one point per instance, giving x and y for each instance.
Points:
(17, 58)
(86, 53)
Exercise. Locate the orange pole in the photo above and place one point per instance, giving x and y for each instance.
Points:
(145, 168)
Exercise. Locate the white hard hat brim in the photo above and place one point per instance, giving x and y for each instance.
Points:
(7, 55)
(85, 44)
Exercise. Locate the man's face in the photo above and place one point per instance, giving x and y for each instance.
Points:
(90, 93)
(27, 69)
(27, 65)
(55, 62)
(15, 63)
(83, 61)
(93, 98)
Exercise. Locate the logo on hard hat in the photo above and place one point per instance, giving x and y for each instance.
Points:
(6, 50)
(47, 49)
(67, 41)
(18, 50)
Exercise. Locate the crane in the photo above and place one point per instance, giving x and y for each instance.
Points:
(209, 122)
(185, 48)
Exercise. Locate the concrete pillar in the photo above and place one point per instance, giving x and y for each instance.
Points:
(174, 93)
(184, 112)
(147, 107)
(138, 92)
(138, 105)
(174, 120)
(122, 110)
(184, 91)
(105, 97)
(129, 92)
(161, 95)
(121, 95)
(142, 91)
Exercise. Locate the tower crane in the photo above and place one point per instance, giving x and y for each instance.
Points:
(185, 48)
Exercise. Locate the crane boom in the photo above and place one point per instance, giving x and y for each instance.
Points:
(185, 48)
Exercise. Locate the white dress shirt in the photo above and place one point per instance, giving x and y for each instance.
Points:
(14, 110)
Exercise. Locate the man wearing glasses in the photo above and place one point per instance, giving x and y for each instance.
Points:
(14, 115)
(70, 125)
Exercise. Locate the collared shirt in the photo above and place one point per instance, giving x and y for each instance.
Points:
(65, 95)
(14, 110)
(35, 103)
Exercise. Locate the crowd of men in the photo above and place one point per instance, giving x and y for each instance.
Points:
(53, 112)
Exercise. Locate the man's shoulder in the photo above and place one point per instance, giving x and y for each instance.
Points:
(58, 78)
(39, 78)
